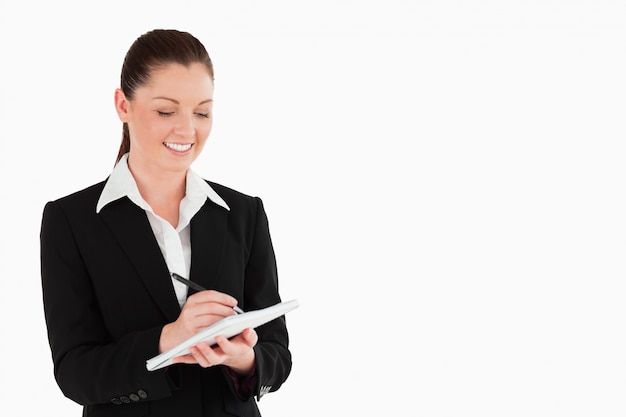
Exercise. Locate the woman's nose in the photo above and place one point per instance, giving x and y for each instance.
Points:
(185, 126)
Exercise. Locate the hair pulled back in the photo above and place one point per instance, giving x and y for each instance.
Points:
(154, 50)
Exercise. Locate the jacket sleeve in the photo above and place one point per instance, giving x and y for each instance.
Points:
(273, 358)
(90, 366)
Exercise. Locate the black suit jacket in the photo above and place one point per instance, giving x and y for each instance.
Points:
(107, 294)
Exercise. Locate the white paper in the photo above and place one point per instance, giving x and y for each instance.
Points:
(227, 327)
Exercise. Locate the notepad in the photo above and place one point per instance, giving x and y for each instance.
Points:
(226, 327)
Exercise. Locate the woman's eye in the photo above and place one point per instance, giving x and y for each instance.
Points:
(205, 115)
(165, 113)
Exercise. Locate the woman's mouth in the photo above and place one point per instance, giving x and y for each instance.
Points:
(178, 147)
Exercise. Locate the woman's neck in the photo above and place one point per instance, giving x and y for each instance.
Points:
(162, 190)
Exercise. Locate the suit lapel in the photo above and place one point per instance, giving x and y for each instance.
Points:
(131, 227)
(208, 243)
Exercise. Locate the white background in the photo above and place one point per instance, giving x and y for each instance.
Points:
(444, 182)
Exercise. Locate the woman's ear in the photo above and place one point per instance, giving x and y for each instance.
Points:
(121, 105)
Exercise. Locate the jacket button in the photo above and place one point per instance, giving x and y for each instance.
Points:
(116, 401)
(134, 397)
(142, 394)
(125, 400)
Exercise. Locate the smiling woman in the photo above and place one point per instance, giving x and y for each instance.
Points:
(108, 253)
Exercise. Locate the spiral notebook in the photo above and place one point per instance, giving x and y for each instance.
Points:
(227, 327)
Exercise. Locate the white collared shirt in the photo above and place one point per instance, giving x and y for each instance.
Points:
(175, 243)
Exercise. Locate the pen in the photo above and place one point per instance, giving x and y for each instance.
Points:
(197, 287)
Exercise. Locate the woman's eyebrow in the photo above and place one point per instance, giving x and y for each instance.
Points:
(209, 100)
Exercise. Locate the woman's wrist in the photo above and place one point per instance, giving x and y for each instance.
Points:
(245, 366)
(164, 344)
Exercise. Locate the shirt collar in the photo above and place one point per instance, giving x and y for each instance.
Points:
(121, 183)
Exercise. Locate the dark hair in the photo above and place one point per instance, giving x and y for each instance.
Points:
(154, 50)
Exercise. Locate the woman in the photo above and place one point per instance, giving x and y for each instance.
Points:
(108, 253)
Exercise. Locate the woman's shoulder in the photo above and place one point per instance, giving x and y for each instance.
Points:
(229, 192)
(80, 206)
(85, 195)
(235, 199)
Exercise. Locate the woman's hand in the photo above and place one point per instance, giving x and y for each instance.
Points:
(237, 352)
(201, 310)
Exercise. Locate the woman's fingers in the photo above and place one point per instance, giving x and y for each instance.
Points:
(205, 308)
(225, 351)
(212, 296)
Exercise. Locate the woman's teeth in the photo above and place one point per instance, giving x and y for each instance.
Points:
(178, 147)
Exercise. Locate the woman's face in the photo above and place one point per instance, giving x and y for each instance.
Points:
(170, 118)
